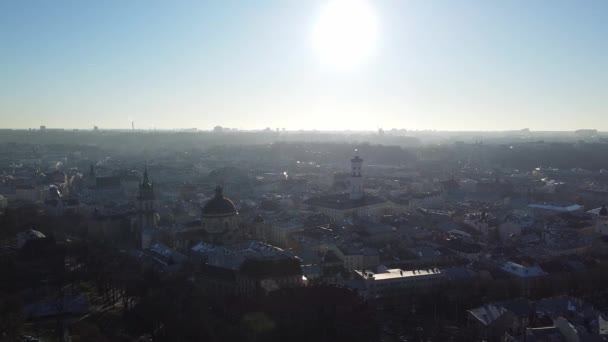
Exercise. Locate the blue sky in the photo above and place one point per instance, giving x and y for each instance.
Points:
(445, 65)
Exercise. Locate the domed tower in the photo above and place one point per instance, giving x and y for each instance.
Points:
(147, 202)
(601, 225)
(355, 179)
(220, 218)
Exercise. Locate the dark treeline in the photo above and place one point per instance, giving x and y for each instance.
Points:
(134, 301)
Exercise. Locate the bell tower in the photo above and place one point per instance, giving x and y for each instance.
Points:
(147, 202)
(355, 179)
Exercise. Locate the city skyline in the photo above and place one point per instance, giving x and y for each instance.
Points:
(303, 170)
(468, 66)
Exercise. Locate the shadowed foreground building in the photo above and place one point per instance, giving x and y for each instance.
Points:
(248, 269)
(321, 313)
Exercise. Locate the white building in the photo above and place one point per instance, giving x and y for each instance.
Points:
(395, 282)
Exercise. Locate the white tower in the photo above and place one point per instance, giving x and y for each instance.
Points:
(355, 179)
(601, 225)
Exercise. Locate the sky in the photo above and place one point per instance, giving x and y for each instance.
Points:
(251, 64)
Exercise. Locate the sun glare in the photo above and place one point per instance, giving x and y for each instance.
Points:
(345, 33)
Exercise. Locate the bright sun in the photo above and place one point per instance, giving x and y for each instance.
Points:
(345, 33)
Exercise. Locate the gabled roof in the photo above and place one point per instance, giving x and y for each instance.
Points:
(487, 314)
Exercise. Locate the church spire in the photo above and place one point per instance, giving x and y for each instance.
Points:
(146, 189)
(146, 179)
(356, 179)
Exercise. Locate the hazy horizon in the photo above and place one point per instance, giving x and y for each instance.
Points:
(296, 130)
(325, 65)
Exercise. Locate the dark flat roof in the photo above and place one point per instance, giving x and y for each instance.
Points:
(342, 201)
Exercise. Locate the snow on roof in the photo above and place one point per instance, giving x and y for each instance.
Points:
(558, 208)
(521, 270)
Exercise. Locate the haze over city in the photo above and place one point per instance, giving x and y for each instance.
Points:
(303, 171)
(327, 65)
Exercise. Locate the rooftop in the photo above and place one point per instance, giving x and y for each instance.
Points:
(522, 271)
(343, 201)
(487, 313)
(232, 257)
(557, 208)
(396, 273)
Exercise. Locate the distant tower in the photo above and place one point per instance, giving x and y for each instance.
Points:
(91, 177)
(147, 203)
(355, 179)
(601, 225)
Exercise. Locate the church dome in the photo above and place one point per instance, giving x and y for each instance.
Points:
(219, 205)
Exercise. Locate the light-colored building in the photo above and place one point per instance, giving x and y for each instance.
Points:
(396, 282)
(278, 231)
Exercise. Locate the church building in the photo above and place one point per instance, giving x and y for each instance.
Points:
(147, 217)
(220, 219)
(353, 203)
